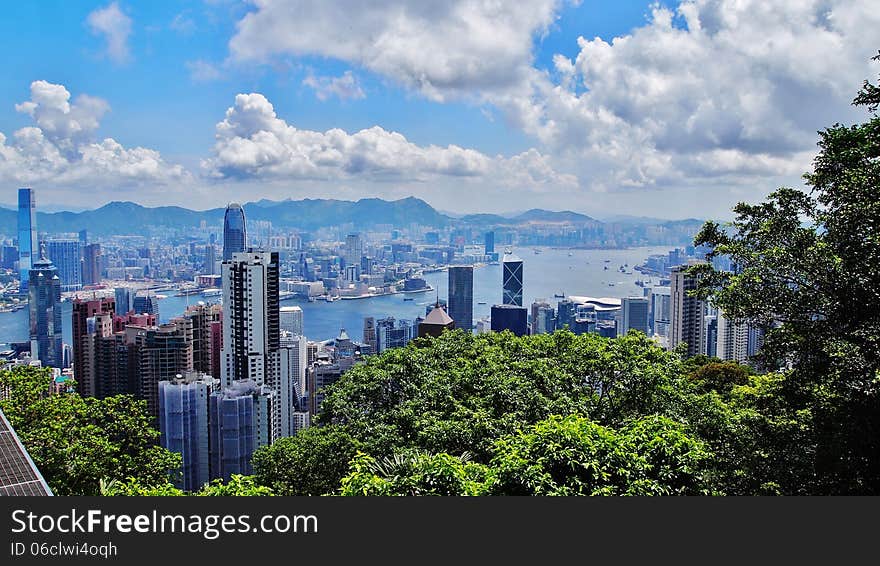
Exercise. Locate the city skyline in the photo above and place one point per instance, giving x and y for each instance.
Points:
(602, 109)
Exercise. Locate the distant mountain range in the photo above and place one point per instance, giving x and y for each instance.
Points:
(308, 214)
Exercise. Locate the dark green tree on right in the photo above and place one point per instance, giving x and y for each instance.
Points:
(807, 268)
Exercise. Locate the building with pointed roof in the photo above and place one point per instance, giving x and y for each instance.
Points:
(436, 322)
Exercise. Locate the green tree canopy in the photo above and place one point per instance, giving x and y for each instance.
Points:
(237, 485)
(77, 442)
(575, 456)
(414, 473)
(311, 463)
(808, 270)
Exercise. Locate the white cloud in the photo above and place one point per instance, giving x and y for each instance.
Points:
(60, 149)
(253, 143)
(711, 93)
(115, 26)
(441, 49)
(716, 89)
(202, 71)
(344, 87)
(63, 123)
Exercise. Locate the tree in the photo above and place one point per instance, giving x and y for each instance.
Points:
(414, 473)
(77, 442)
(575, 456)
(311, 463)
(720, 376)
(238, 485)
(462, 392)
(808, 271)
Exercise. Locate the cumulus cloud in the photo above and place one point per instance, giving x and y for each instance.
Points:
(441, 49)
(62, 122)
(715, 88)
(61, 148)
(112, 23)
(252, 142)
(708, 93)
(344, 87)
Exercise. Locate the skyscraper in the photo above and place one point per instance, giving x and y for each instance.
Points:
(145, 303)
(391, 333)
(543, 321)
(737, 340)
(44, 302)
(489, 242)
(251, 318)
(232, 429)
(292, 320)
(163, 352)
(183, 424)
(461, 296)
(27, 235)
(353, 253)
(512, 281)
(710, 335)
(566, 311)
(687, 312)
(510, 317)
(292, 385)
(661, 307)
(123, 299)
(633, 315)
(67, 257)
(83, 312)
(202, 319)
(91, 264)
(370, 338)
(210, 263)
(234, 231)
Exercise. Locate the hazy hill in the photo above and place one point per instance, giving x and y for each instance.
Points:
(307, 214)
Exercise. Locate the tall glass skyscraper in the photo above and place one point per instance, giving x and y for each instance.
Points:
(510, 317)
(183, 423)
(633, 315)
(461, 296)
(146, 303)
(512, 281)
(67, 257)
(234, 231)
(27, 235)
(44, 302)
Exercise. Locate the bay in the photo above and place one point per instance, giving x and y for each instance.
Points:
(545, 274)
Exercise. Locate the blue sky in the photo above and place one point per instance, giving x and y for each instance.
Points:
(469, 107)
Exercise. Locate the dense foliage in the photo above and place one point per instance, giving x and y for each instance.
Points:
(808, 269)
(236, 486)
(547, 414)
(76, 442)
